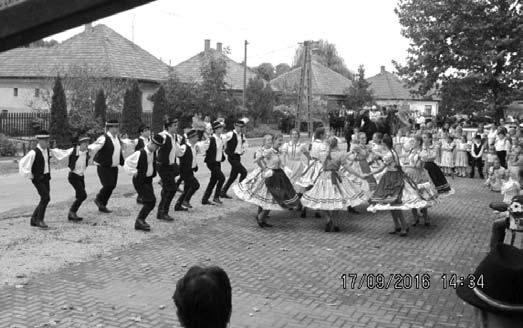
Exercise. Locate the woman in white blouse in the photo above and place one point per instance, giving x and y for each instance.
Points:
(502, 146)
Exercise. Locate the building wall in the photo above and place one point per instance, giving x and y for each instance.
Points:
(421, 106)
(27, 101)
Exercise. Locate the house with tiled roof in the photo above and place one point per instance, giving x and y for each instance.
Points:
(98, 50)
(388, 90)
(189, 71)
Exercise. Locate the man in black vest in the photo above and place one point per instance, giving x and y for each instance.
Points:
(78, 161)
(144, 138)
(188, 166)
(235, 148)
(108, 148)
(141, 165)
(214, 157)
(167, 167)
(36, 166)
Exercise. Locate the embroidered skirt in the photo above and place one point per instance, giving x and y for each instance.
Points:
(294, 171)
(331, 192)
(438, 178)
(254, 190)
(281, 189)
(309, 175)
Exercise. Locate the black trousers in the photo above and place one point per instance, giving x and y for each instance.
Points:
(144, 188)
(78, 183)
(43, 189)
(476, 163)
(236, 169)
(217, 179)
(502, 155)
(190, 185)
(108, 178)
(168, 175)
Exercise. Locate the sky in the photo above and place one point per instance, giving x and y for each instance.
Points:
(364, 31)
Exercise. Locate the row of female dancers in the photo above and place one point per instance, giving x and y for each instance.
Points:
(324, 179)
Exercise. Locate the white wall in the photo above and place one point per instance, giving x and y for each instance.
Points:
(415, 105)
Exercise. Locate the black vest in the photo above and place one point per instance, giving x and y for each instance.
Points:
(39, 164)
(477, 148)
(186, 161)
(164, 151)
(142, 165)
(210, 154)
(139, 145)
(104, 156)
(74, 157)
(231, 144)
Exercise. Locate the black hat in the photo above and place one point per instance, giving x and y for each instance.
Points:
(112, 123)
(192, 133)
(158, 140)
(240, 122)
(217, 125)
(170, 121)
(501, 272)
(83, 138)
(142, 128)
(42, 134)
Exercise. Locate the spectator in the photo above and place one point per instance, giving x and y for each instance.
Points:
(203, 298)
(502, 146)
(497, 296)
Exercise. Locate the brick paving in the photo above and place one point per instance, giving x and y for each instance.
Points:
(286, 276)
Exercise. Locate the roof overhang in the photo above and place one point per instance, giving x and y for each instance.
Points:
(25, 21)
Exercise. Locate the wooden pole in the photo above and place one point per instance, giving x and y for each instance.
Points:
(309, 89)
(244, 73)
(301, 86)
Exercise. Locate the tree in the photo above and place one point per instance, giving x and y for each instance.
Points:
(100, 107)
(259, 99)
(281, 69)
(464, 96)
(265, 71)
(132, 111)
(326, 54)
(359, 94)
(159, 109)
(59, 127)
(41, 44)
(476, 40)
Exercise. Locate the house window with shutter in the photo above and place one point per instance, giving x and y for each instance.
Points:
(428, 110)
(37, 93)
(15, 92)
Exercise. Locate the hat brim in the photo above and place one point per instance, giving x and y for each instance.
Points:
(84, 140)
(43, 136)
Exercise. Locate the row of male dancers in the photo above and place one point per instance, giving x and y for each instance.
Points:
(167, 154)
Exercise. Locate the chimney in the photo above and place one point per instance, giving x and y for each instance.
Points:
(207, 45)
(219, 47)
(382, 69)
(88, 27)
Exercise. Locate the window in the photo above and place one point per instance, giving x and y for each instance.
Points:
(15, 92)
(428, 110)
(37, 93)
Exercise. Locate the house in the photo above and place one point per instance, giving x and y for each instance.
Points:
(327, 84)
(105, 54)
(389, 90)
(189, 71)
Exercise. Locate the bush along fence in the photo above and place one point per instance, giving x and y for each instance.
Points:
(28, 124)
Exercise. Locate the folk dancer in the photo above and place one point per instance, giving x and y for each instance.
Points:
(331, 190)
(295, 158)
(428, 155)
(141, 165)
(236, 145)
(167, 168)
(268, 186)
(35, 165)
(213, 147)
(78, 162)
(188, 166)
(108, 149)
(396, 192)
(144, 133)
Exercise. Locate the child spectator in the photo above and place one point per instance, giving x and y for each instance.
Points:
(496, 175)
(461, 159)
(502, 146)
(490, 159)
(513, 159)
(447, 155)
(476, 154)
(510, 187)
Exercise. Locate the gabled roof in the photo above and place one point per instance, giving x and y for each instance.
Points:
(386, 85)
(100, 49)
(324, 81)
(189, 71)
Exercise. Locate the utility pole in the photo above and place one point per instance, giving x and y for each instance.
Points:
(244, 73)
(309, 89)
(305, 89)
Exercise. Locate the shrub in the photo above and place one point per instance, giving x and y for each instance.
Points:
(7, 147)
(260, 131)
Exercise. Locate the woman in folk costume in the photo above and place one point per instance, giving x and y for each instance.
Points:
(428, 155)
(396, 192)
(362, 152)
(414, 169)
(295, 157)
(355, 181)
(332, 190)
(267, 186)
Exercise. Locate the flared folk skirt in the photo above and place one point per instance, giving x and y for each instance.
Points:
(438, 178)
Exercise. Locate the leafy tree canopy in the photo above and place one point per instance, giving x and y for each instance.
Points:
(266, 71)
(359, 94)
(326, 54)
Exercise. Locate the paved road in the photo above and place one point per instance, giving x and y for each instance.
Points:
(286, 276)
